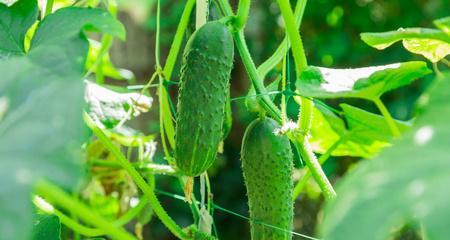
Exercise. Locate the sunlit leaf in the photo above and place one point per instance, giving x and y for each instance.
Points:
(109, 108)
(367, 133)
(42, 131)
(431, 43)
(407, 183)
(443, 24)
(367, 83)
(46, 227)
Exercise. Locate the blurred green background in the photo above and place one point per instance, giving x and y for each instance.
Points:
(330, 32)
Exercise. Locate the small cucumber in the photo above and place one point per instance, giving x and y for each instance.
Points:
(205, 74)
(267, 166)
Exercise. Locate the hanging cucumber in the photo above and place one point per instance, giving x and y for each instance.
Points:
(267, 166)
(205, 73)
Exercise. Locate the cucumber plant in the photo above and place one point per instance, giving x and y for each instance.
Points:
(202, 99)
(73, 184)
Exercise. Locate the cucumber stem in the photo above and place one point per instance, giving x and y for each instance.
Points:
(178, 39)
(201, 16)
(307, 105)
(303, 146)
(56, 196)
(294, 36)
(284, 46)
(302, 182)
(249, 65)
(48, 7)
(242, 14)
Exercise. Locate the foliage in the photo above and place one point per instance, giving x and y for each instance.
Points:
(93, 186)
(410, 179)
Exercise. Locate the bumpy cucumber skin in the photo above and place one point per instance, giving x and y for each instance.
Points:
(267, 166)
(205, 74)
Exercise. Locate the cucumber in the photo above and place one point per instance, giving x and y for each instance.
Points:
(267, 166)
(204, 84)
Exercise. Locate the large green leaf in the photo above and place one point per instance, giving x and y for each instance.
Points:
(366, 135)
(407, 183)
(368, 127)
(42, 130)
(431, 43)
(46, 227)
(21, 15)
(367, 83)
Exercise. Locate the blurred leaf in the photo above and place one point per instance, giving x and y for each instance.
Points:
(3, 107)
(407, 183)
(109, 108)
(46, 227)
(42, 132)
(20, 16)
(431, 43)
(443, 24)
(367, 83)
(108, 67)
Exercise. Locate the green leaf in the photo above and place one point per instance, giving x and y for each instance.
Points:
(14, 23)
(406, 183)
(42, 131)
(368, 127)
(367, 133)
(443, 24)
(46, 227)
(367, 83)
(328, 128)
(431, 43)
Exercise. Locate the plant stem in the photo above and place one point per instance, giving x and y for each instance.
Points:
(146, 167)
(283, 89)
(178, 39)
(48, 7)
(93, 232)
(306, 106)
(264, 100)
(140, 182)
(201, 16)
(302, 182)
(284, 46)
(56, 196)
(316, 170)
(294, 36)
(242, 14)
(389, 120)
